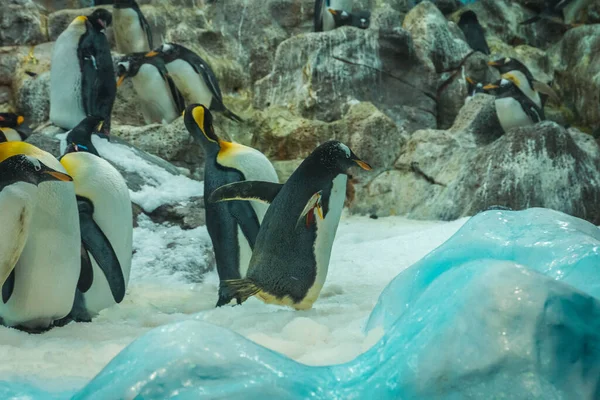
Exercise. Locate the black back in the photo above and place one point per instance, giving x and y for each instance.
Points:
(143, 21)
(473, 31)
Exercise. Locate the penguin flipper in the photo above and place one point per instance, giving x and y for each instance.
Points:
(175, 93)
(86, 275)
(246, 218)
(146, 29)
(8, 287)
(240, 289)
(98, 245)
(318, 16)
(246, 190)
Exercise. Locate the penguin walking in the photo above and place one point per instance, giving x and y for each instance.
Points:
(358, 19)
(473, 31)
(11, 127)
(105, 221)
(232, 227)
(132, 31)
(194, 78)
(160, 99)
(324, 20)
(291, 256)
(81, 72)
(38, 282)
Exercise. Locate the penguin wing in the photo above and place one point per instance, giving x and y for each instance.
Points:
(146, 28)
(318, 18)
(531, 109)
(86, 275)
(175, 93)
(98, 245)
(8, 287)
(245, 216)
(246, 190)
(89, 71)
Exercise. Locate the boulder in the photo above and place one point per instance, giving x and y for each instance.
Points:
(22, 22)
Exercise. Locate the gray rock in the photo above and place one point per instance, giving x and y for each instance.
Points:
(32, 98)
(188, 215)
(22, 23)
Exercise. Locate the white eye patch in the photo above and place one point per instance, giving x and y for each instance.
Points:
(167, 47)
(35, 162)
(345, 148)
(125, 65)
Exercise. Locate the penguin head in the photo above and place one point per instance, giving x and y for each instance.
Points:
(468, 17)
(100, 19)
(509, 64)
(336, 157)
(340, 17)
(129, 66)
(29, 169)
(199, 123)
(10, 120)
(169, 51)
(362, 19)
(79, 139)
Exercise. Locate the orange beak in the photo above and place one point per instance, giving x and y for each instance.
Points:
(60, 176)
(363, 165)
(120, 81)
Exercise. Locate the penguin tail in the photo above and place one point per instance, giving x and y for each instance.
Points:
(239, 289)
(232, 116)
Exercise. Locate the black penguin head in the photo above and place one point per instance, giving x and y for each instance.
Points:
(508, 64)
(80, 138)
(129, 66)
(25, 168)
(199, 123)
(336, 157)
(100, 19)
(501, 88)
(361, 19)
(10, 120)
(170, 51)
(340, 17)
(468, 17)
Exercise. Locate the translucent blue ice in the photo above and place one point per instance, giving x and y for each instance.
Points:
(506, 308)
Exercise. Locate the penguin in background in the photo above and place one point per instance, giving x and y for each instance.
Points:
(105, 220)
(12, 128)
(194, 78)
(293, 247)
(82, 78)
(358, 19)
(132, 31)
(160, 100)
(38, 282)
(324, 20)
(473, 31)
(233, 227)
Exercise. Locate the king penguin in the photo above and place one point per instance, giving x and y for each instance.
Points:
(194, 78)
(160, 100)
(232, 227)
(82, 78)
(132, 31)
(106, 226)
(473, 31)
(291, 255)
(323, 20)
(38, 283)
(11, 127)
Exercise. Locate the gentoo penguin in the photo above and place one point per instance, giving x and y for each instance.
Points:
(232, 226)
(571, 11)
(194, 78)
(473, 31)
(106, 226)
(10, 127)
(358, 19)
(80, 137)
(291, 256)
(82, 78)
(323, 20)
(513, 107)
(40, 287)
(132, 32)
(160, 99)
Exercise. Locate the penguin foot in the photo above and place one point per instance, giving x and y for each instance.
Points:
(239, 289)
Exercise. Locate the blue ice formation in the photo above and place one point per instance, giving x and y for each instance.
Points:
(507, 308)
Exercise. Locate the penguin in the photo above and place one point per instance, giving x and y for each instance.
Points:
(38, 284)
(473, 31)
(132, 31)
(323, 20)
(106, 225)
(82, 78)
(513, 107)
(358, 19)
(11, 127)
(160, 99)
(291, 255)
(232, 227)
(194, 78)
(80, 139)
(566, 11)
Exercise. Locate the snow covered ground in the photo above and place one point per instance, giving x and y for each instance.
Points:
(367, 254)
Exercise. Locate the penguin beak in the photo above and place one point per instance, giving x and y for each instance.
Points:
(362, 164)
(494, 63)
(99, 127)
(331, 11)
(20, 120)
(121, 79)
(471, 81)
(490, 86)
(59, 176)
(151, 54)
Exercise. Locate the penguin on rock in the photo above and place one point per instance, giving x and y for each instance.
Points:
(132, 31)
(324, 20)
(232, 227)
(291, 255)
(358, 19)
(38, 212)
(11, 127)
(473, 31)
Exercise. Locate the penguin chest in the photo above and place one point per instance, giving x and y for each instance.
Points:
(191, 84)
(130, 37)
(511, 114)
(154, 95)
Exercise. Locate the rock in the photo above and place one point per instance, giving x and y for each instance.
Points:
(22, 23)
(187, 215)
(33, 99)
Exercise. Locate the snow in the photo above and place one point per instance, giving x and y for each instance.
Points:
(366, 255)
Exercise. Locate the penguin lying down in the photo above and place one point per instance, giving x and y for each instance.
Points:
(293, 246)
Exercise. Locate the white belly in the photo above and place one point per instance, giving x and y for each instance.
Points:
(326, 230)
(48, 270)
(66, 106)
(129, 35)
(190, 84)
(511, 114)
(154, 96)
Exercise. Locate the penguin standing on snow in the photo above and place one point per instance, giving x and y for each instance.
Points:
(132, 31)
(291, 256)
(11, 128)
(194, 78)
(232, 227)
(38, 282)
(358, 19)
(473, 31)
(160, 99)
(324, 20)
(82, 79)
(105, 224)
